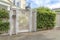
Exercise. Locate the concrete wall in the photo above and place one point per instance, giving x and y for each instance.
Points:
(58, 19)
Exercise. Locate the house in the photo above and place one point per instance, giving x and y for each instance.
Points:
(21, 19)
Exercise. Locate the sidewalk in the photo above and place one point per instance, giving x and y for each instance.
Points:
(41, 35)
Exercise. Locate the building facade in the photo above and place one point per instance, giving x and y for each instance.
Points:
(18, 3)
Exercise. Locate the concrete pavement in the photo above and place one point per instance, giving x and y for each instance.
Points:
(41, 35)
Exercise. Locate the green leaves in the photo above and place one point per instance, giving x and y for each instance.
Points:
(45, 18)
(4, 26)
(4, 13)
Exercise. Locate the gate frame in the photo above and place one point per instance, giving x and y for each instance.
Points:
(17, 27)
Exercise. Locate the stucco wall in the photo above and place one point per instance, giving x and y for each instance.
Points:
(58, 19)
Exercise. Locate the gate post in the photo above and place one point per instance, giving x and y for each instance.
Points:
(17, 24)
(10, 20)
(30, 20)
(35, 21)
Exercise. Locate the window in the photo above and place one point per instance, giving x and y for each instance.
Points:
(18, 4)
(14, 2)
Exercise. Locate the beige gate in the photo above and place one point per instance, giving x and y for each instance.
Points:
(26, 20)
(23, 20)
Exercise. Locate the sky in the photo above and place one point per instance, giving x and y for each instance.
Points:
(46, 3)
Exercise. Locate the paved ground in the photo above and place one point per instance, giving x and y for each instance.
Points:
(41, 35)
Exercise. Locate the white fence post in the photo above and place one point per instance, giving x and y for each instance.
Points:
(11, 25)
(17, 24)
(30, 20)
(35, 21)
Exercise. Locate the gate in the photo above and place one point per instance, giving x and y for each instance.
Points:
(24, 21)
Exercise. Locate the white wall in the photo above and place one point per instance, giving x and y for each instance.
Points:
(23, 4)
(57, 20)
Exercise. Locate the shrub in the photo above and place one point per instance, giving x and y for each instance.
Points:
(4, 26)
(45, 18)
(4, 13)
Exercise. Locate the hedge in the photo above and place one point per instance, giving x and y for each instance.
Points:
(4, 26)
(4, 13)
(45, 18)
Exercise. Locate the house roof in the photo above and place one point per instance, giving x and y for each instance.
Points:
(56, 9)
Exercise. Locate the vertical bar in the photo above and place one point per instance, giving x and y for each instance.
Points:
(35, 21)
(11, 25)
(30, 21)
(17, 23)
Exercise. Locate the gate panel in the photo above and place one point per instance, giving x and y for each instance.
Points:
(23, 21)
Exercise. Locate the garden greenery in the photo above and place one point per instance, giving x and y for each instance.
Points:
(4, 26)
(45, 18)
(4, 13)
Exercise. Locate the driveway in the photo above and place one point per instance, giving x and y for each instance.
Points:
(41, 35)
